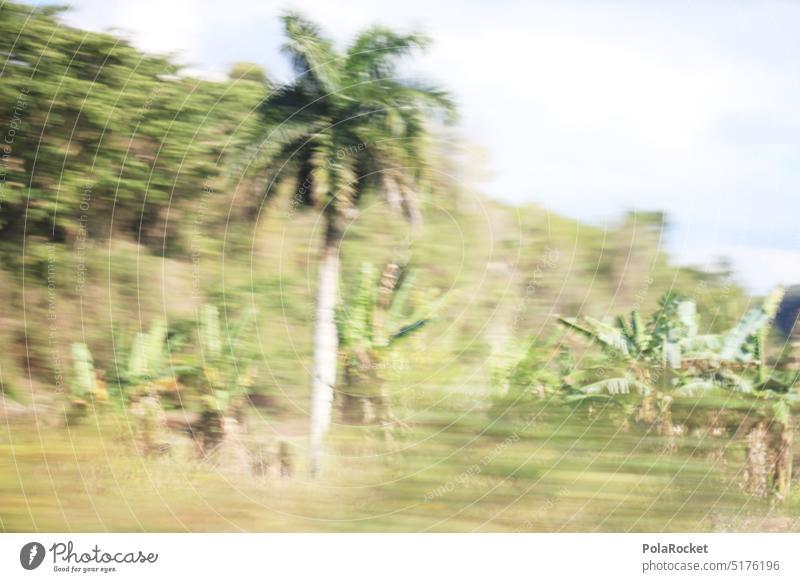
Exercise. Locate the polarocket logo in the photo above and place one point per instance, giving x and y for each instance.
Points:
(31, 555)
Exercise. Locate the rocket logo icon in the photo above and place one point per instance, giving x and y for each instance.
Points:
(31, 555)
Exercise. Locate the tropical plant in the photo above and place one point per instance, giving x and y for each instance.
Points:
(378, 313)
(638, 356)
(668, 360)
(84, 380)
(524, 369)
(147, 367)
(146, 373)
(86, 386)
(227, 370)
(670, 349)
(346, 126)
(147, 356)
(736, 362)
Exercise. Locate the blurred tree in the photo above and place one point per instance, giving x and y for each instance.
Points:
(244, 71)
(99, 129)
(346, 125)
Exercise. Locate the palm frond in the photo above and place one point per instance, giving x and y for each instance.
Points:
(695, 388)
(640, 335)
(356, 327)
(687, 315)
(737, 382)
(83, 381)
(598, 331)
(210, 332)
(407, 330)
(735, 343)
(671, 353)
(375, 51)
(313, 56)
(616, 386)
(399, 304)
(146, 358)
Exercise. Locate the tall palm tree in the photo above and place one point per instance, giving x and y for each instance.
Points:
(346, 125)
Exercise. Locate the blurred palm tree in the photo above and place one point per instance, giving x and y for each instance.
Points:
(347, 125)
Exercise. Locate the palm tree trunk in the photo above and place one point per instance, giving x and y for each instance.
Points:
(326, 346)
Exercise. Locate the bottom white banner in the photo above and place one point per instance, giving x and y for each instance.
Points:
(400, 557)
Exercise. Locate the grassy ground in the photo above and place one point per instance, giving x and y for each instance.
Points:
(449, 471)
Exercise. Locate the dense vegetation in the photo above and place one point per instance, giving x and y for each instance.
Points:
(162, 245)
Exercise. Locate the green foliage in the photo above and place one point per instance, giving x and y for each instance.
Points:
(138, 138)
(526, 368)
(613, 339)
(83, 380)
(210, 334)
(243, 71)
(380, 312)
(147, 363)
(101, 126)
(672, 337)
(147, 355)
(741, 342)
(346, 125)
(356, 324)
(669, 355)
(620, 386)
(227, 367)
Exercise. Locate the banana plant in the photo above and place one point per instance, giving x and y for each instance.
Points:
(670, 348)
(84, 379)
(636, 356)
(504, 365)
(734, 363)
(147, 355)
(526, 369)
(227, 367)
(692, 366)
(85, 386)
(147, 368)
(629, 339)
(227, 372)
(734, 360)
(740, 347)
(379, 313)
(764, 398)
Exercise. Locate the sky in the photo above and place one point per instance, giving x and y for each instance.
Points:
(587, 108)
